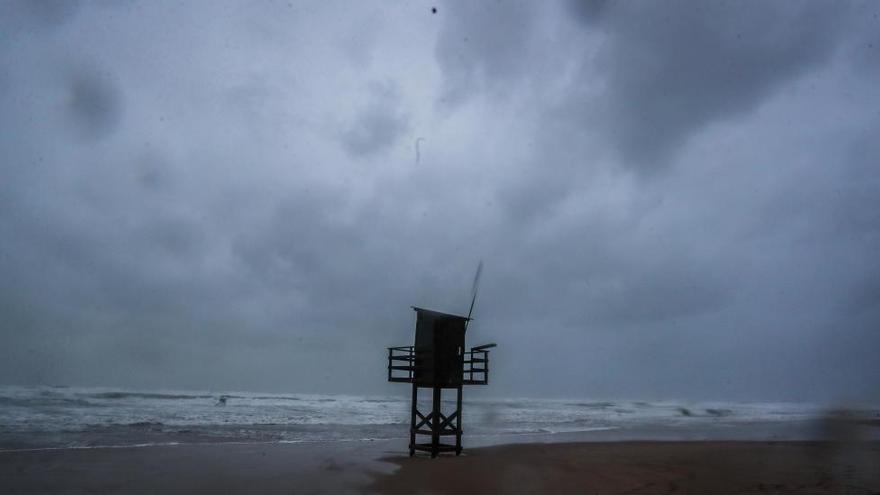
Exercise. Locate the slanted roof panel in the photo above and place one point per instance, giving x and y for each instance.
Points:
(438, 314)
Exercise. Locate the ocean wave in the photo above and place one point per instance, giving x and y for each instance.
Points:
(719, 413)
(145, 424)
(45, 401)
(145, 395)
(593, 405)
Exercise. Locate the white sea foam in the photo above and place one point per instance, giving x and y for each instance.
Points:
(81, 417)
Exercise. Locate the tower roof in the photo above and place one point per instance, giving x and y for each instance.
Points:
(438, 314)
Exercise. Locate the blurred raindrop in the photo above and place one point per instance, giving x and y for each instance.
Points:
(94, 104)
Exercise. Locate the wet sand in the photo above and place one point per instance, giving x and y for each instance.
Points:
(645, 468)
(382, 467)
(319, 468)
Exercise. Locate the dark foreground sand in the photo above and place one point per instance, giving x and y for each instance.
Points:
(647, 467)
(380, 467)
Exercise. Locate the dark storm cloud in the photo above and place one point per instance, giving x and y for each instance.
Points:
(671, 68)
(589, 11)
(666, 69)
(483, 44)
(668, 292)
(240, 203)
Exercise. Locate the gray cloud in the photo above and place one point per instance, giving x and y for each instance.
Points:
(657, 73)
(239, 201)
(378, 125)
(42, 13)
(670, 69)
(94, 105)
(482, 44)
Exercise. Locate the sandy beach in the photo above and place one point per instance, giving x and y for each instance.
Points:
(383, 467)
(346, 467)
(645, 467)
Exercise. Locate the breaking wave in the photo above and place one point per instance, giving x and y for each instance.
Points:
(51, 417)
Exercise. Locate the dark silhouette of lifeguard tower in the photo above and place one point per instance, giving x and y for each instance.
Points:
(438, 361)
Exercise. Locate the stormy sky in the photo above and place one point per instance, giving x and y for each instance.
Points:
(672, 199)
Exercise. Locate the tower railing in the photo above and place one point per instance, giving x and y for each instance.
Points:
(402, 365)
(475, 367)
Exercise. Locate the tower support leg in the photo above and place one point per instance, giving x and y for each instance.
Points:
(412, 422)
(458, 422)
(435, 422)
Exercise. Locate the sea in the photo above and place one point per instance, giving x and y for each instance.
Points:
(55, 417)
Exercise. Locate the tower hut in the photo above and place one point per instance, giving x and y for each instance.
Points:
(438, 361)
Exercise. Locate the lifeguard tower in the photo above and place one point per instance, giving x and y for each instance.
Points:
(439, 361)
